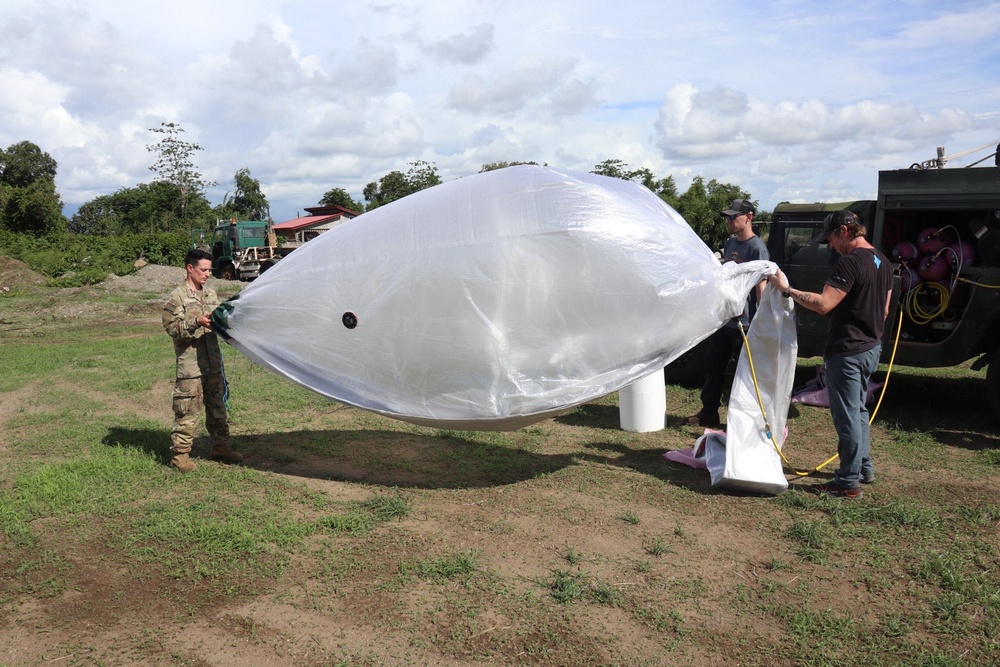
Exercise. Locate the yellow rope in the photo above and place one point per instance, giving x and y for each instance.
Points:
(763, 412)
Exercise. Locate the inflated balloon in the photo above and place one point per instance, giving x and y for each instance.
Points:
(490, 302)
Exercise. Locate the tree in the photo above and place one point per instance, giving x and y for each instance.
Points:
(664, 188)
(148, 207)
(341, 197)
(34, 209)
(502, 164)
(396, 185)
(24, 163)
(29, 202)
(248, 202)
(614, 168)
(174, 164)
(98, 217)
(701, 205)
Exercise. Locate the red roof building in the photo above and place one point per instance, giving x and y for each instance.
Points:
(319, 220)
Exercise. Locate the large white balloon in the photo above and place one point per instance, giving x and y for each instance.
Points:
(490, 302)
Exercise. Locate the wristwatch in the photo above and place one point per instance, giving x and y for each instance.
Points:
(786, 293)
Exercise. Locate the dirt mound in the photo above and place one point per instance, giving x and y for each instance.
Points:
(159, 279)
(150, 278)
(16, 274)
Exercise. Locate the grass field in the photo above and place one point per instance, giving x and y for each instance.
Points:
(352, 539)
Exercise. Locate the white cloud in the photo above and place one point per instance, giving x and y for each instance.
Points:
(953, 26)
(552, 85)
(466, 48)
(310, 96)
(573, 97)
(35, 107)
(385, 127)
(721, 122)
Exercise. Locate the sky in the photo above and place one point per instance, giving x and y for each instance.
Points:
(792, 100)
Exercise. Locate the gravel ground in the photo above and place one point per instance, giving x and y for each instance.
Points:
(151, 283)
(160, 279)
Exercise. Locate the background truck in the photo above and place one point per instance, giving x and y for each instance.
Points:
(941, 228)
(241, 249)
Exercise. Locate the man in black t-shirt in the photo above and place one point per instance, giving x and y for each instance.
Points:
(856, 295)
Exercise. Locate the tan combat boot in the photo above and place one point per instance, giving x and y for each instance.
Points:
(182, 462)
(221, 451)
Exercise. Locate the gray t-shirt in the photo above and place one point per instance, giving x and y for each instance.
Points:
(744, 251)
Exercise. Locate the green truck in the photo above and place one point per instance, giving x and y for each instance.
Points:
(941, 228)
(241, 249)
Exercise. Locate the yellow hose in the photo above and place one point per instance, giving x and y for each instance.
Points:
(763, 412)
(916, 312)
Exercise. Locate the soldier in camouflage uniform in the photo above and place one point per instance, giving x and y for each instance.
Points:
(187, 318)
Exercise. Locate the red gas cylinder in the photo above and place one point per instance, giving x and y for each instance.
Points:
(960, 252)
(933, 239)
(904, 252)
(933, 268)
(910, 278)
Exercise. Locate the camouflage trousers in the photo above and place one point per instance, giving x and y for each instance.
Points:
(190, 394)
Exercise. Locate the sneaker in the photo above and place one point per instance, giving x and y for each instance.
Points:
(705, 419)
(838, 491)
(868, 477)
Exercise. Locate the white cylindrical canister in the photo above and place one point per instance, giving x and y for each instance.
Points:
(642, 405)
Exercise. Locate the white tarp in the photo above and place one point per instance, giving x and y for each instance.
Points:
(491, 301)
(745, 458)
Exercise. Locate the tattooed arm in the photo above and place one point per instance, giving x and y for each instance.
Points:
(818, 303)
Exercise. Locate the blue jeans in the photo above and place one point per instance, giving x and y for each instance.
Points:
(847, 382)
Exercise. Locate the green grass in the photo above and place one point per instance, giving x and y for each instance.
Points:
(657, 547)
(470, 547)
(218, 530)
(630, 518)
(459, 565)
(569, 586)
(955, 590)
(361, 517)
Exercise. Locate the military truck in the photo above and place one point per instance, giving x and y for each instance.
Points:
(241, 249)
(941, 228)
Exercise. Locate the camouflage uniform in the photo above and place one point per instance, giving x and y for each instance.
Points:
(199, 376)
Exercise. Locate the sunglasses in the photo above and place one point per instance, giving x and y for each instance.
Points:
(733, 217)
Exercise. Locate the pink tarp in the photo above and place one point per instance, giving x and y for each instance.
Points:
(814, 392)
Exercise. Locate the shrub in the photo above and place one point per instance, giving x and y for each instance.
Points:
(72, 260)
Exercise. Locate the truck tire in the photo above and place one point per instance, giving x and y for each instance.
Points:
(993, 382)
(267, 264)
(227, 271)
(688, 370)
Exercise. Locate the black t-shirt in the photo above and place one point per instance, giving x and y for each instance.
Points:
(857, 323)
